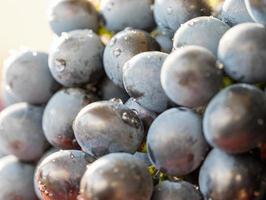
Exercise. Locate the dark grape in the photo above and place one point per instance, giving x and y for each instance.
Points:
(107, 127)
(117, 176)
(235, 119)
(182, 190)
(58, 175)
(224, 176)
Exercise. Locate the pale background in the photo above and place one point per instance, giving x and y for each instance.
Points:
(23, 23)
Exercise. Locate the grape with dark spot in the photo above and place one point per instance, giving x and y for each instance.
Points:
(176, 144)
(191, 77)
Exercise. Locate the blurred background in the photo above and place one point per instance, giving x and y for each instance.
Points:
(23, 23)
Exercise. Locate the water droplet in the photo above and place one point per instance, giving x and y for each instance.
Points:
(117, 52)
(113, 41)
(169, 10)
(219, 65)
(117, 100)
(34, 53)
(135, 111)
(65, 35)
(126, 38)
(131, 119)
(60, 65)
(72, 156)
(191, 23)
(128, 29)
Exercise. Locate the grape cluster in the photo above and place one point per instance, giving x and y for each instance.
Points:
(139, 100)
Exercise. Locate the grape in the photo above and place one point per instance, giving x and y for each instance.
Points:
(45, 155)
(257, 10)
(7, 97)
(76, 58)
(143, 157)
(164, 39)
(141, 78)
(108, 90)
(176, 145)
(123, 46)
(16, 179)
(176, 190)
(117, 176)
(171, 14)
(58, 175)
(234, 120)
(27, 77)
(224, 176)
(190, 76)
(57, 120)
(107, 127)
(21, 131)
(145, 115)
(119, 14)
(242, 51)
(201, 31)
(235, 12)
(68, 15)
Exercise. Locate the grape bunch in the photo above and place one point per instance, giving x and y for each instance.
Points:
(139, 100)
